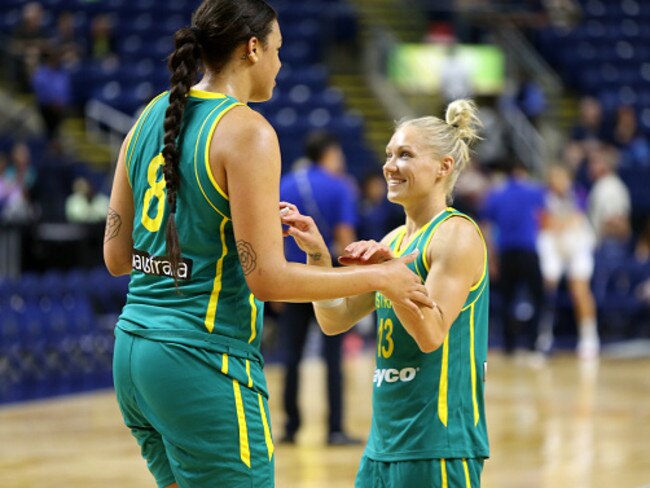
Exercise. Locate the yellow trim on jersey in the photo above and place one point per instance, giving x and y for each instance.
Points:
(468, 482)
(478, 295)
(208, 168)
(196, 151)
(398, 248)
(485, 264)
(485, 257)
(248, 373)
(443, 413)
(224, 363)
(472, 364)
(443, 474)
(433, 231)
(253, 318)
(267, 432)
(204, 94)
(244, 449)
(216, 287)
(140, 123)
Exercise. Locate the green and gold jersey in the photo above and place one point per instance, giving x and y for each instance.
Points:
(212, 306)
(428, 406)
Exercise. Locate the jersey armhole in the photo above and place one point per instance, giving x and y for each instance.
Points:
(476, 285)
(208, 168)
(135, 135)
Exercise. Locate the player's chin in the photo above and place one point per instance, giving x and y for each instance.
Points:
(263, 96)
(393, 197)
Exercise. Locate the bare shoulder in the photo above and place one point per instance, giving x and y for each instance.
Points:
(457, 238)
(243, 130)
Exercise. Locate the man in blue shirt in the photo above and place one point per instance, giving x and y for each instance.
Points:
(322, 191)
(515, 211)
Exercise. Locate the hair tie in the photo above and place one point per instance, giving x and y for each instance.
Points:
(196, 31)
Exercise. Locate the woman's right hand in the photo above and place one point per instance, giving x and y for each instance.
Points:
(303, 229)
(404, 287)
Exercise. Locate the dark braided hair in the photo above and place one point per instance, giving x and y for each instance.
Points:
(218, 28)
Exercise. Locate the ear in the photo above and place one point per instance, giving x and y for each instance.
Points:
(251, 49)
(446, 166)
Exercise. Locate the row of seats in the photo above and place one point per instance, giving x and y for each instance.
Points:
(56, 332)
(606, 55)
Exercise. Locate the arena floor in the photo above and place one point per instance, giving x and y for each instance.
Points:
(561, 424)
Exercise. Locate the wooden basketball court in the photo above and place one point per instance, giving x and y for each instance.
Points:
(563, 424)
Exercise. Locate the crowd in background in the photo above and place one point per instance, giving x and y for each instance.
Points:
(585, 184)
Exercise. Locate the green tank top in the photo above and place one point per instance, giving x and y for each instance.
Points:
(213, 306)
(430, 406)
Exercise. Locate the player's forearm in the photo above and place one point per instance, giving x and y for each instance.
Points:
(294, 282)
(334, 316)
(428, 330)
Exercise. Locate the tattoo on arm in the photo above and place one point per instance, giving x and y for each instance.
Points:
(247, 257)
(113, 224)
(315, 256)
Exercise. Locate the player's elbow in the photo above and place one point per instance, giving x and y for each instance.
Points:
(116, 263)
(117, 267)
(429, 343)
(330, 328)
(265, 286)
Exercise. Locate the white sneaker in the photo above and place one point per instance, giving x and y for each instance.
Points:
(544, 342)
(588, 348)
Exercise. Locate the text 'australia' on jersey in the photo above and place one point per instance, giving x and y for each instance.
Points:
(212, 305)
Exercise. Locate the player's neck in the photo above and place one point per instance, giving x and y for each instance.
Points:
(226, 82)
(421, 213)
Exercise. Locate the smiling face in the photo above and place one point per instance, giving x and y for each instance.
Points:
(412, 170)
(267, 64)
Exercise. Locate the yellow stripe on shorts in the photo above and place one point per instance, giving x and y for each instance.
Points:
(267, 432)
(468, 482)
(443, 473)
(244, 449)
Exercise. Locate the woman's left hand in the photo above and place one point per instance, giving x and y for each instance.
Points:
(366, 252)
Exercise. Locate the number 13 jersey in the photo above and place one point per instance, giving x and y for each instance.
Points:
(430, 406)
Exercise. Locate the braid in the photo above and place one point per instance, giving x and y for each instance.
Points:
(183, 64)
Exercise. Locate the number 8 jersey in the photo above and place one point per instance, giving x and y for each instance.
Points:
(212, 306)
(430, 406)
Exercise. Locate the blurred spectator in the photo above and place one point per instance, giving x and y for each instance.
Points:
(320, 191)
(66, 42)
(455, 75)
(513, 211)
(495, 146)
(642, 247)
(27, 43)
(377, 216)
(566, 247)
(5, 184)
(103, 43)
(590, 126)
(631, 142)
(52, 86)
(530, 99)
(609, 199)
(19, 178)
(470, 189)
(84, 204)
(574, 157)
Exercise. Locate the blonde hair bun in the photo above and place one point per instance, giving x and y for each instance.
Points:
(462, 115)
